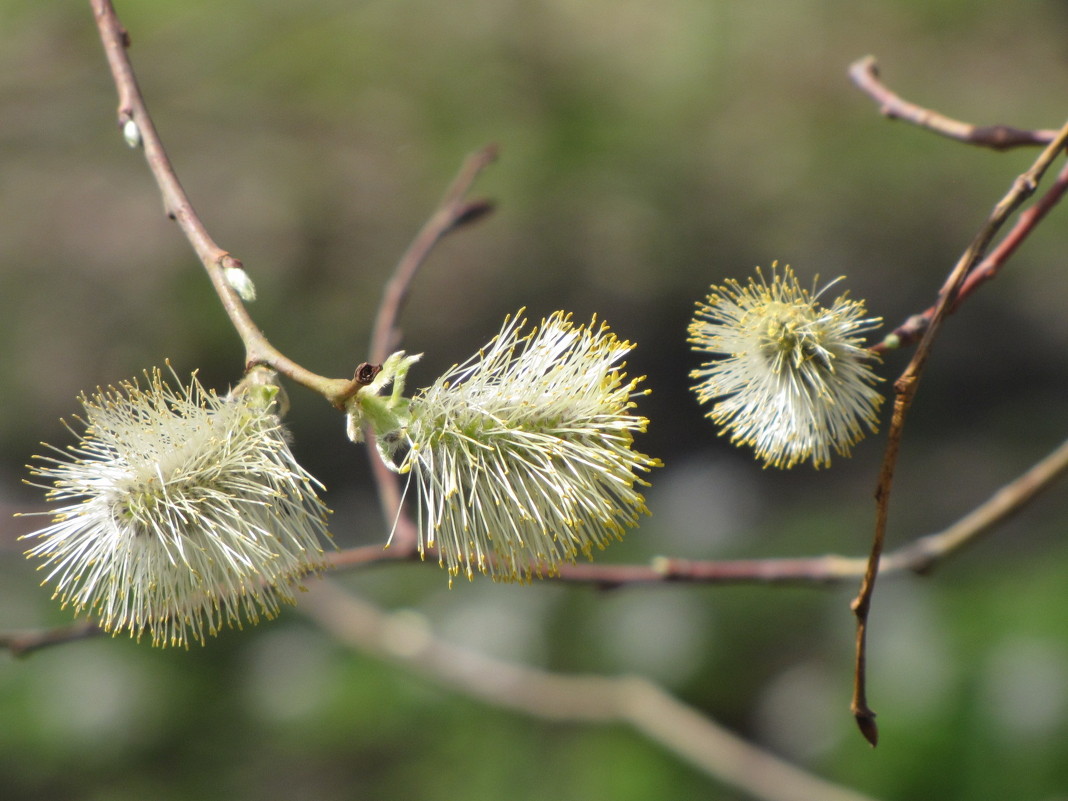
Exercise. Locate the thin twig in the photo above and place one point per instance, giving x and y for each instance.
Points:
(912, 329)
(216, 261)
(925, 553)
(22, 643)
(453, 211)
(405, 639)
(919, 556)
(905, 390)
(865, 74)
(366, 556)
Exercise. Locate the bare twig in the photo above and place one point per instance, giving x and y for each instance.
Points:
(865, 74)
(924, 553)
(405, 639)
(366, 556)
(919, 556)
(912, 329)
(216, 261)
(905, 390)
(453, 211)
(21, 643)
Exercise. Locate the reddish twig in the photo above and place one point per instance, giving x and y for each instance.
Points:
(865, 74)
(366, 556)
(905, 390)
(918, 556)
(912, 329)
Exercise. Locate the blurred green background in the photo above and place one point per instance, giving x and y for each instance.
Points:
(648, 150)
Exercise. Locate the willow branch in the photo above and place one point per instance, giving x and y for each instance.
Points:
(404, 638)
(912, 329)
(920, 556)
(178, 207)
(452, 212)
(865, 74)
(905, 390)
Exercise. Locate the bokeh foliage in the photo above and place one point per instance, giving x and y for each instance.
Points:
(648, 150)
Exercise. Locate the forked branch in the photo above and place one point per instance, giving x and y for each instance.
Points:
(905, 390)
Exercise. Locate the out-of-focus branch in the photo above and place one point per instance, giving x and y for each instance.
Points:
(405, 639)
(21, 643)
(905, 391)
(865, 74)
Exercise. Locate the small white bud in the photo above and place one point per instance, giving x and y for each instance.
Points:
(241, 283)
(132, 134)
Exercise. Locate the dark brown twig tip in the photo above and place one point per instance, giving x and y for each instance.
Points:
(473, 212)
(364, 375)
(866, 723)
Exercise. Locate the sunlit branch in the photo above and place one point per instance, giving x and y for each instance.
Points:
(216, 261)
